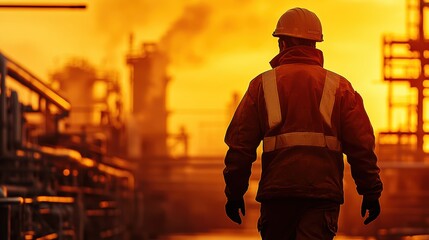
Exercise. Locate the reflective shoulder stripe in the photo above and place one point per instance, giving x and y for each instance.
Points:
(301, 139)
(271, 95)
(332, 82)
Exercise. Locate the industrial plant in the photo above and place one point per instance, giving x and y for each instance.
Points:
(75, 165)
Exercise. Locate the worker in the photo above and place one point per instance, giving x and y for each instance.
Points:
(306, 117)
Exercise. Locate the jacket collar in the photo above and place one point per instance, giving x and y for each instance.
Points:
(298, 54)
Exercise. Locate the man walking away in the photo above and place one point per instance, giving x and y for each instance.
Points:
(307, 117)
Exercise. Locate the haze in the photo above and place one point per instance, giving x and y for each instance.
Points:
(215, 48)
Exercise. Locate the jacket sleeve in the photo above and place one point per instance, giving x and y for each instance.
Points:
(242, 137)
(358, 144)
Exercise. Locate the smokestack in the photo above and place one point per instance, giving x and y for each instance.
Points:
(149, 80)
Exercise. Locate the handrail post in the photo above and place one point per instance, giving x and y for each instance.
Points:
(3, 110)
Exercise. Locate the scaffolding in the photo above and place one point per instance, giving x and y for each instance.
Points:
(405, 66)
(403, 149)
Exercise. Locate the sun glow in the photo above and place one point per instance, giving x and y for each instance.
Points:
(214, 50)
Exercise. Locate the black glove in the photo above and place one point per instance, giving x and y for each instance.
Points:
(373, 207)
(232, 208)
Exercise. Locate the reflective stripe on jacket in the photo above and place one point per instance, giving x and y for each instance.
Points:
(269, 86)
(302, 113)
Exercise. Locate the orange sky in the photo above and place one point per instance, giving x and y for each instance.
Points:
(222, 45)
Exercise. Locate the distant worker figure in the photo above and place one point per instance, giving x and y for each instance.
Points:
(307, 117)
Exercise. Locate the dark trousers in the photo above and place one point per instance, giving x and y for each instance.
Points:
(298, 219)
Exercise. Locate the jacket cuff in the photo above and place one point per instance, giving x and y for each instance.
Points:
(232, 197)
(371, 197)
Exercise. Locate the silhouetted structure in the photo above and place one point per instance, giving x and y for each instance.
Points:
(405, 63)
(56, 183)
(402, 149)
(148, 85)
(97, 106)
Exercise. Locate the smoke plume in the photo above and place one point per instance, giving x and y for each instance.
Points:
(184, 39)
(189, 32)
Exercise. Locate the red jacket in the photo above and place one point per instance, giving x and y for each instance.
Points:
(301, 166)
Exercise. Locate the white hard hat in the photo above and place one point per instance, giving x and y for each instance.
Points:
(300, 23)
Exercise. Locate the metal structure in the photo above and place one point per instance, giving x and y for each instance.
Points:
(403, 148)
(43, 6)
(66, 171)
(149, 83)
(405, 68)
(57, 184)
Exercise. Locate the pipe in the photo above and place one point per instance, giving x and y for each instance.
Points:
(45, 6)
(35, 84)
(3, 110)
(5, 227)
(77, 157)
